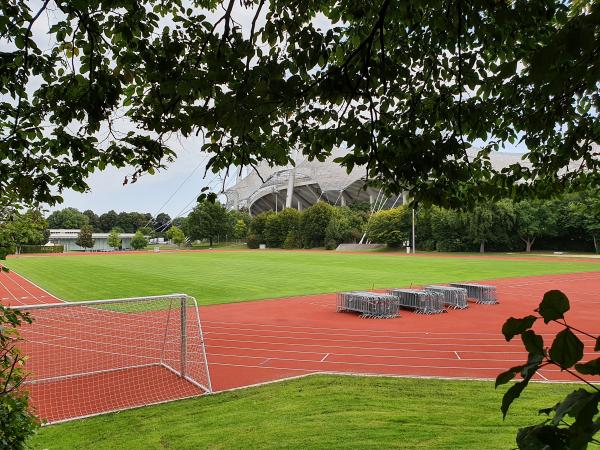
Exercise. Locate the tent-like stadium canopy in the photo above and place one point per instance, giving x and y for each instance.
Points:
(313, 181)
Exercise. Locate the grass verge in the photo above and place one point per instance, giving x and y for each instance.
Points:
(318, 412)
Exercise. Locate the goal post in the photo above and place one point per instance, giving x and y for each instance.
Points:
(93, 357)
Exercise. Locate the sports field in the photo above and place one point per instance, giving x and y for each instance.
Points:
(263, 341)
(225, 277)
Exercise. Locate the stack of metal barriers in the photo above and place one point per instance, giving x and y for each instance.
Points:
(454, 297)
(480, 293)
(423, 302)
(369, 304)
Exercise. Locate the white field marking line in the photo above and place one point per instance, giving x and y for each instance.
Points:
(386, 333)
(327, 347)
(379, 365)
(440, 344)
(284, 335)
(391, 366)
(35, 285)
(545, 379)
(373, 375)
(425, 358)
(10, 293)
(458, 356)
(265, 361)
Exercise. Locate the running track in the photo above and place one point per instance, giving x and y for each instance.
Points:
(263, 341)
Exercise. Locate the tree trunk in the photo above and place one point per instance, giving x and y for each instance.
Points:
(529, 244)
(210, 241)
(596, 244)
(482, 247)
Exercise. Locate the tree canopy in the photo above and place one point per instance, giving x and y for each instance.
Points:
(406, 87)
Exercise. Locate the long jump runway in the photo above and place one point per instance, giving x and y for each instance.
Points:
(263, 341)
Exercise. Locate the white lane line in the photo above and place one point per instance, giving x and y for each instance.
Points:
(265, 362)
(457, 355)
(324, 357)
(540, 374)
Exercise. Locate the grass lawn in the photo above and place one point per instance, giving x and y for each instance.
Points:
(318, 412)
(223, 277)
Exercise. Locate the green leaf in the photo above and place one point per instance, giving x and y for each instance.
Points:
(537, 437)
(589, 368)
(553, 306)
(513, 393)
(571, 405)
(508, 375)
(514, 326)
(534, 343)
(566, 349)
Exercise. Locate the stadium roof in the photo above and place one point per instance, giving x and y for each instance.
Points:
(314, 181)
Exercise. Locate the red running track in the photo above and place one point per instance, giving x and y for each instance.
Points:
(264, 341)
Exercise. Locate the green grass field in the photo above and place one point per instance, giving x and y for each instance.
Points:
(223, 277)
(318, 412)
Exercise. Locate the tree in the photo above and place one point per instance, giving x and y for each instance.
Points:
(108, 221)
(114, 239)
(240, 229)
(176, 235)
(390, 226)
(17, 422)
(93, 220)
(534, 219)
(67, 218)
(162, 222)
(490, 222)
(406, 88)
(84, 238)
(139, 241)
(345, 225)
(207, 221)
(313, 223)
(29, 228)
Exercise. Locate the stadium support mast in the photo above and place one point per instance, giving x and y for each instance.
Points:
(290, 188)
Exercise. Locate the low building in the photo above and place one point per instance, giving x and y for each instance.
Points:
(67, 239)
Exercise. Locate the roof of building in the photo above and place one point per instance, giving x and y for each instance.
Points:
(265, 188)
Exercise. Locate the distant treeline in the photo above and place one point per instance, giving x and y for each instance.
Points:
(125, 222)
(571, 222)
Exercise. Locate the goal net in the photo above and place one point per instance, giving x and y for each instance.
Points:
(94, 357)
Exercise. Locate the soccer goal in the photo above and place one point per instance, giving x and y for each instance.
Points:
(94, 357)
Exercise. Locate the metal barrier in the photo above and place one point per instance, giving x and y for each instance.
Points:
(369, 304)
(423, 302)
(454, 297)
(480, 293)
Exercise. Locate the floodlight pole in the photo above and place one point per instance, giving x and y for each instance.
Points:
(413, 231)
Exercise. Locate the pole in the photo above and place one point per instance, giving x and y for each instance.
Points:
(183, 337)
(413, 231)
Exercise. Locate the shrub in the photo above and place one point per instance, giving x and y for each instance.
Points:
(313, 224)
(391, 226)
(138, 241)
(292, 240)
(17, 423)
(252, 241)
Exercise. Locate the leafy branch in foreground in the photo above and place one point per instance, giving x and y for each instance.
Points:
(17, 422)
(575, 419)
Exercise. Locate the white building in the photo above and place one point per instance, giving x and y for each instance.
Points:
(67, 239)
